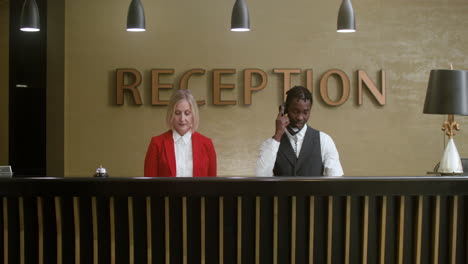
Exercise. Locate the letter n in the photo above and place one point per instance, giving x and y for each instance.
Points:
(364, 78)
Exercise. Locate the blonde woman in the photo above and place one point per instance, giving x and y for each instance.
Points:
(181, 151)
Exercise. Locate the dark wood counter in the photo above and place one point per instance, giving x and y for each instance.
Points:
(234, 220)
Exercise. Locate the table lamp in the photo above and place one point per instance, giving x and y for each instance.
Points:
(447, 94)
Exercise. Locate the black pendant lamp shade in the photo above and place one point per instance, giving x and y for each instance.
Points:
(240, 17)
(447, 92)
(136, 17)
(346, 20)
(30, 21)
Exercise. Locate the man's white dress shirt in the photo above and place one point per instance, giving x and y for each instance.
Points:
(269, 149)
(183, 154)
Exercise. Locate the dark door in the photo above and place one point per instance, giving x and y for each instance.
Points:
(27, 124)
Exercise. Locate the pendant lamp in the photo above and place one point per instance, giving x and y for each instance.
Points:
(240, 17)
(30, 21)
(136, 17)
(346, 21)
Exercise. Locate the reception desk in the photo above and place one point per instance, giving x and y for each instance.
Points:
(234, 220)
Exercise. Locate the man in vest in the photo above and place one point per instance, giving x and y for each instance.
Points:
(297, 149)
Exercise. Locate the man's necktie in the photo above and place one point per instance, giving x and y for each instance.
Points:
(295, 145)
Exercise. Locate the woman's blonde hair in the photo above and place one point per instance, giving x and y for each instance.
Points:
(178, 96)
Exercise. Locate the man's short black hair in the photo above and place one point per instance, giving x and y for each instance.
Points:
(298, 92)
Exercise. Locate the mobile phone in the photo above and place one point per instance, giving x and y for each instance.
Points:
(283, 107)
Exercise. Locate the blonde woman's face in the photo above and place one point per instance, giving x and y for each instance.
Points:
(182, 119)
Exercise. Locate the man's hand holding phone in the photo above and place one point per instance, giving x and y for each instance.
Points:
(282, 121)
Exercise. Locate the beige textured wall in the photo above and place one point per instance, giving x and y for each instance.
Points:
(4, 33)
(406, 39)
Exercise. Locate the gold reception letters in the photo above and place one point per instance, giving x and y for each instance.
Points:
(132, 87)
(128, 80)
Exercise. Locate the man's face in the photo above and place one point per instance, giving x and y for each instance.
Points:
(299, 113)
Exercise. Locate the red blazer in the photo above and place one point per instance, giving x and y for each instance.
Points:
(160, 158)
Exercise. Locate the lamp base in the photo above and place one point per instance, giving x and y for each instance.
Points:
(450, 162)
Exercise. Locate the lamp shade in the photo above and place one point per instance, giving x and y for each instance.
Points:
(136, 17)
(240, 20)
(447, 92)
(30, 20)
(346, 21)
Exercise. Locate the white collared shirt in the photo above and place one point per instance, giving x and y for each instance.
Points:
(269, 149)
(183, 154)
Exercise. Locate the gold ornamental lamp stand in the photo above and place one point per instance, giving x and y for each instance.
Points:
(450, 162)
